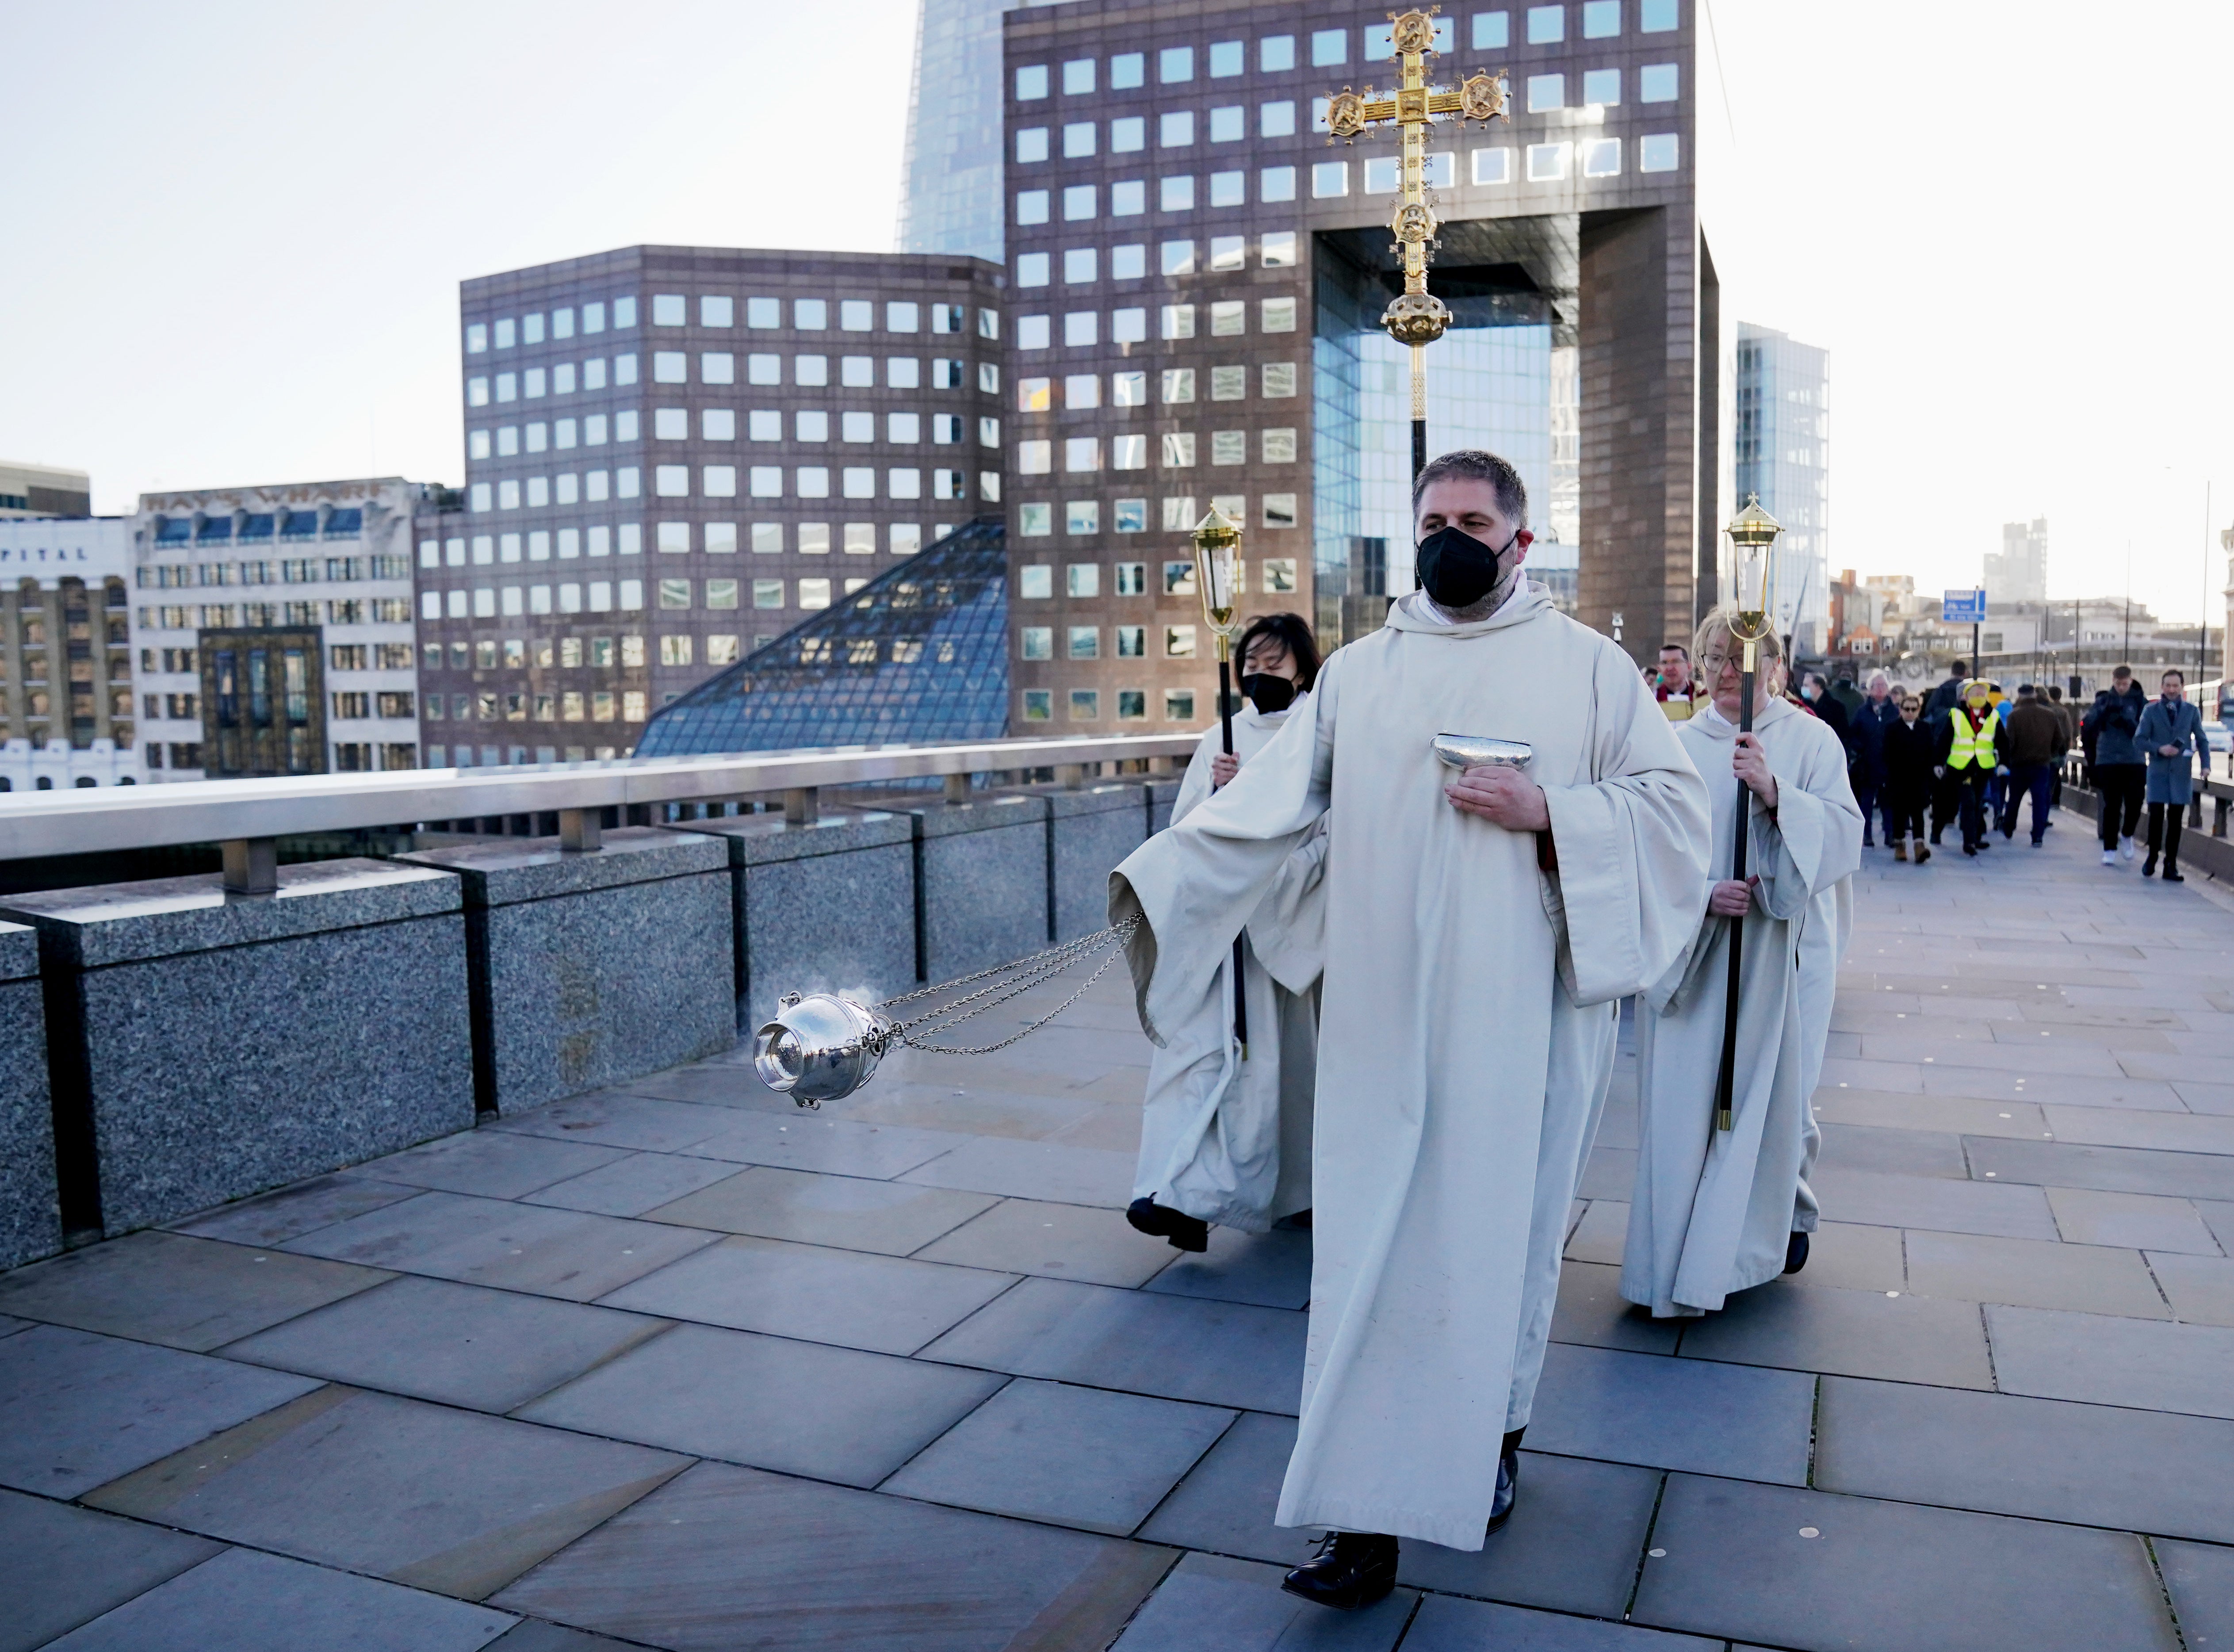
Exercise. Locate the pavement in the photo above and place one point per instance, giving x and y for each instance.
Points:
(679, 1366)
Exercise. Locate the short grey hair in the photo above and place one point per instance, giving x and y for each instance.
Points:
(1473, 464)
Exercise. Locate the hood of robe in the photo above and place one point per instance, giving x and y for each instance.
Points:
(1411, 614)
(1714, 726)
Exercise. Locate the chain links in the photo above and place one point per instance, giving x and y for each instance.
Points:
(1017, 978)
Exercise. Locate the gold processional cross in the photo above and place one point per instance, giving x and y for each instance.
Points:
(1415, 316)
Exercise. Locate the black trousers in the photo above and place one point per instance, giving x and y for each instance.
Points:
(2165, 821)
(1903, 813)
(1973, 782)
(2120, 786)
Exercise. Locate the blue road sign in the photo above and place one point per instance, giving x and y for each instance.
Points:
(1962, 607)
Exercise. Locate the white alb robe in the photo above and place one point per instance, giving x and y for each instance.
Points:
(1714, 1209)
(1228, 1140)
(1467, 1021)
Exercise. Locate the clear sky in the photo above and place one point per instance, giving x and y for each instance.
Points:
(238, 230)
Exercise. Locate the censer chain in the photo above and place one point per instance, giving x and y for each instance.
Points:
(1034, 971)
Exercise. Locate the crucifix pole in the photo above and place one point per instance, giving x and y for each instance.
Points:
(1415, 316)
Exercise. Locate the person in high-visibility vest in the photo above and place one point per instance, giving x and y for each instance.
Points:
(1967, 757)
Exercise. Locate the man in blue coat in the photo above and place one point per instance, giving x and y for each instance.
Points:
(2169, 730)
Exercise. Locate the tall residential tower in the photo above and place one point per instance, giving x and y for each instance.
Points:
(1784, 455)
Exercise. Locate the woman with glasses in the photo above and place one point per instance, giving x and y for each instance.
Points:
(1911, 752)
(1717, 1211)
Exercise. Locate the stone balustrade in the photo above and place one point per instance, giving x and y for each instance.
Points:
(168, 1045)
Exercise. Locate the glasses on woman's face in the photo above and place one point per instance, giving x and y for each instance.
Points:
(1713, 660)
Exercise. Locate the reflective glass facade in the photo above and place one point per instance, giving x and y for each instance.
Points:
(1784, 455)
(918, 654)
(952, 200)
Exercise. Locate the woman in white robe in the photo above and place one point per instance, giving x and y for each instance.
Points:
(1717, 1211)
(1224, 1141)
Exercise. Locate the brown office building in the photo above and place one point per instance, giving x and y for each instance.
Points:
(1195, 277)
(675, 454)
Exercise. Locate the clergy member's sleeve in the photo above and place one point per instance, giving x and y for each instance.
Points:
(1195, 788)
(1813, 838)
(1194, 886)
(1633, 846)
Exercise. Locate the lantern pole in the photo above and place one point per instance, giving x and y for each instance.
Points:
(1752, 532)
(1218, 580)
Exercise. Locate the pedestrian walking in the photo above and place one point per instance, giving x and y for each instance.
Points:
(1223, 1140)
(2119, 771)
(1968, 755)
(2032, 744)
(1911, 754)
(1715, 1210)
(1938, 707)
(1878, 711)
(2170, 731)
(2068, 717)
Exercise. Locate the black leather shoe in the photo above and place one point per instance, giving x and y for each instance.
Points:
(2172, 874)
(2149, 867)
(1795, 1253)
(1508, 1491)
(1352, 1569)
(1185, 1231)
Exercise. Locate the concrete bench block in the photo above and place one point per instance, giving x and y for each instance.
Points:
(593, 968)
(30, 1211)
(827, 907)
(208, 1046)
(982, 869)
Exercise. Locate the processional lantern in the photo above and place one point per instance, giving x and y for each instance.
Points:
(1753, 541)
(1217, 578)
(1415, 318)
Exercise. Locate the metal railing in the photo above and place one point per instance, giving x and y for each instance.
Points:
(246, 817)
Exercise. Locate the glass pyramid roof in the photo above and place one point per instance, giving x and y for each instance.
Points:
(918, 654)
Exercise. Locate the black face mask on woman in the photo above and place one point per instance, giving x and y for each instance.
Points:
(1267, 693)
(1456, 569)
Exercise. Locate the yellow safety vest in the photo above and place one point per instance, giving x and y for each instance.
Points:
(1973, 747)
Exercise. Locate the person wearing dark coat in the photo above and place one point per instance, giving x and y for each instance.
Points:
(2032, 743)
(1946, 791)
(1909, 751)
(1865, 733)
(2120, 775)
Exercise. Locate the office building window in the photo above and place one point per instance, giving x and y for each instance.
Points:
(1329, 46)
(1078, 265)
(1229, 447)
(1656, 16)
(1035, 520)
(1175, 64)
(1128, 134)
(1129, 389)
(1175, 194)
(1279, 510)
(1546, 91)
(1039, 704)
(1179, 450)
(1031, 83)
(1128, 453)
(1278, 445)
(814, 593)
(1228, 188)
(1175, 129)
(1081, 328)
(1031, 145)
(1657, 83)
(1035, 643)
(1276, 183)
(1128, 198)
(1602, 157)
(1229, 317)
(1083, 642)
(1330, 178)
(1493, 165)
(1177, 321)
(1078, 203)
(1179, 641)
(1078, 140)
(1229, 383)
(1031, 206)
(1178, 384)
(1547, 162)
(1492, 30)
(1657, 153)
(1077, 77)
(1228, 125)
(1547, 25)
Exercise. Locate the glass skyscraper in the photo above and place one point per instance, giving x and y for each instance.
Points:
(953, 201)
(1784, 455)
(917, 654)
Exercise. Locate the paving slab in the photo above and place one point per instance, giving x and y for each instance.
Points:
(1590, 1309)
(67, 1565)
(2111, 1170)
(851, 1299)
(1033, 1170)
(634, 1185)
(1068, 1456)
(1602, 1234)
(1179, 1347)
(2130, 1221)
(513, 1247)
(460, 1345)
(1662, 1413)
(1609, 1173)
(2201, 1583)
(2088, 1465)
(1571, 1544)
(273, 1218)
(1447, 1625)
(2218, 1216)
(77, 1410)
(1270, 1269)
(1855, 1333)
(849, 1213)
(617, 1118)
(1854, 1256)
(2201, 1289)
(496, 1164)
(189, 1293)
(1818, 1571)
(833, 1414)
(1894, 1151)
(838, 1146)
(2070, 1089)
(1053, 1241)
(727, 1559)
(1209, 1603)
(1882, 1201)
(2106, 1360)
(246, 1602)
(530, 1636)
(2184, 1132)
(2091, 1279)
(371, 1483)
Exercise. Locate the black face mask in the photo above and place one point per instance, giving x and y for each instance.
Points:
(1456, 569)
(1267, 693)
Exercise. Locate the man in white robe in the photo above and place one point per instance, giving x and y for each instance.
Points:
(1225, 1140)
(1481, 929)
(1718, 1210)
